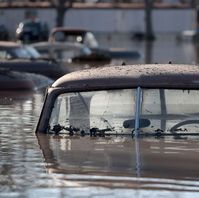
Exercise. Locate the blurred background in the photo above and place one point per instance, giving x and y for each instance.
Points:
(47, 39)
(173, 24)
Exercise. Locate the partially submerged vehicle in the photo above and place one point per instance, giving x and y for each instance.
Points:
(128, 100)
(17, 81)
(62, 52)
(89, 118)
(48, 69)
(69, 43)
(23, 58)
(87, 38)
(73, 35)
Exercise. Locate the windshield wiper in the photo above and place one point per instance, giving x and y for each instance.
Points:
(57, 128)
(98, 132)
(71, 130)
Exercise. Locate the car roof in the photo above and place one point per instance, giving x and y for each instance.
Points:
(69, 30)
(9, 44)
(177, 76)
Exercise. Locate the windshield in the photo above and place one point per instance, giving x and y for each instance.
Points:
(33, 52)
(114, 112)
(100, 110)
(24, 52)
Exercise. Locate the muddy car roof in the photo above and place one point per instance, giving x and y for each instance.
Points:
(148, 76)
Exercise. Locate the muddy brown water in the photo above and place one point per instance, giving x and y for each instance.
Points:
(59, 166)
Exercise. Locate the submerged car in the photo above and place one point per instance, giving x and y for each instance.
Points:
(124, 130)
(18, 81)
(14, 50)
(25, 58)
(87, 38)
(134, 100)
(81, 38)
(74, 35)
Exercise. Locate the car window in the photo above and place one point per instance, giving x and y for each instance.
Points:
(167, 108)
(59, 36)
(32, 52)
(90, 41)
(100, 110)
(73, 38)
(20, 52)
(162, 110)
(24, 52)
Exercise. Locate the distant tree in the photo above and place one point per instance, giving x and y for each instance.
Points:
(149, 34)
(61, 7)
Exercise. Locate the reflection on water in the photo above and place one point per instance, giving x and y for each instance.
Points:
(121, 156)
(164, 49)
(52, 166)
(105, 192)
(19, 156)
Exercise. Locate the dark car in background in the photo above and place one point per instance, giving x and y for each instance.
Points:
(32, 31)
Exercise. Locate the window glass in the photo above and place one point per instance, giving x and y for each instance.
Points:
(33, 53)
(102, 110)
(90, 41)
(59, 36)
(21, 52)
(169, 108)
(162, 110)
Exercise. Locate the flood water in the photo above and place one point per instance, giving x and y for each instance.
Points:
(51, 166)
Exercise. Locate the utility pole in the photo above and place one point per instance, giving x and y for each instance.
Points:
(149, 34)
(61, 7)
(195, 5)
